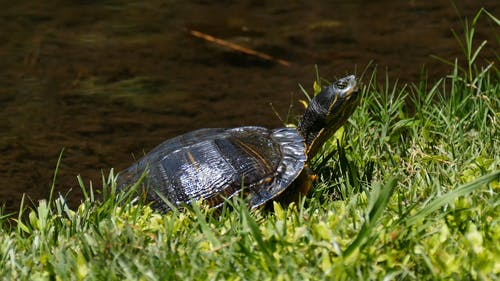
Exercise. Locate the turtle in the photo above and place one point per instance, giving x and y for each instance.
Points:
(256, 163)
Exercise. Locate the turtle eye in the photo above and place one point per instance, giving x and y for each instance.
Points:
(341, 84)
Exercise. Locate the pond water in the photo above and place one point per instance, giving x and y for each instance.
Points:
(109, 80)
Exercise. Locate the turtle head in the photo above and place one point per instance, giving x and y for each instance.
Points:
(327, 112)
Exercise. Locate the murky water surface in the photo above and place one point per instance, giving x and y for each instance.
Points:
(107, 80)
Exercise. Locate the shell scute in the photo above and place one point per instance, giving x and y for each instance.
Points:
(210, 164)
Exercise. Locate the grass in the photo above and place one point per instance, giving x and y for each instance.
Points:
(400, 196)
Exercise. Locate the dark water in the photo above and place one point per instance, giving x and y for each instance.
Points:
(107, 80)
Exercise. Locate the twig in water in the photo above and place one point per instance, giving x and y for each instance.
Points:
(237, 47)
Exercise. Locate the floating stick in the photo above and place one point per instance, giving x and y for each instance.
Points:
(237, 47)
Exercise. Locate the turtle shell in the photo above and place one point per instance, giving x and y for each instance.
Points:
(211, 164)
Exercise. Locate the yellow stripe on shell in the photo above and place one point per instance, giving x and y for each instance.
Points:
(255, 153)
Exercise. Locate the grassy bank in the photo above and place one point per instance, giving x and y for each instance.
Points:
(410, 192)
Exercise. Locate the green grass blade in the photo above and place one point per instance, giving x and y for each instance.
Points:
(56, 171)
(450, 196)
(492, 17)
(82, 186)
(381, 197)
(201, 218)
(478, 50)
